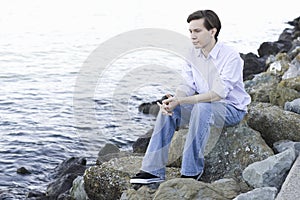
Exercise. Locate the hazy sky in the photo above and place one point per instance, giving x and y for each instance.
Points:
(253, 20)
(69, 14)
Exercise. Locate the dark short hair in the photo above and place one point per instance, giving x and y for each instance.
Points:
(211, 20)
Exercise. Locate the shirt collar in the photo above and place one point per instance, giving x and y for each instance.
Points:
(214, 52)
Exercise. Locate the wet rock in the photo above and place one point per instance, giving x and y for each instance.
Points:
(23, 170)
(64, 176)
(152, 107)
(149, 108)
(36, 195)
(141, 144)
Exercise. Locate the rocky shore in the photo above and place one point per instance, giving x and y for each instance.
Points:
(251, 160)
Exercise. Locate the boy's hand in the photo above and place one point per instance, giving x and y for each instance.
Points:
(168, 105)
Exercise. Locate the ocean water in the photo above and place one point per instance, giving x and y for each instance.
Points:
(44, 48)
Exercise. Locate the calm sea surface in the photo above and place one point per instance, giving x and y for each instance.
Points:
(42, 52)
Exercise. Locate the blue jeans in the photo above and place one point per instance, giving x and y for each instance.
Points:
(199, 117)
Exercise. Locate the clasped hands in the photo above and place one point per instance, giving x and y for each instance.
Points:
(168, 105)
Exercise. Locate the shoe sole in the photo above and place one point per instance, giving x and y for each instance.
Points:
(145, 181)
(197, 178)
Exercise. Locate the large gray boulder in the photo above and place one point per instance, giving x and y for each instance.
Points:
(263, 193)
(270, 172)
(274, 123)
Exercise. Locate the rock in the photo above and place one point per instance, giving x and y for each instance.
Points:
(64, 176)
(144, 192)
(60, 186)
(23, 170)
(73, 165)
(293, 106)
(286, 35)
(294, 68)
(109, 180)
(108, 157)
(149, 108)
(189, 189)
(290, 187)
(296, 24)
(270, 172)
(291, 83)
(283, 145)
(286, 90)
(178, 142)
(152, 107)
(263, 193)
(273, 123)
(271, 86)
(36, 195)
(252, 65)
(141, 144)
(77, 191)
(272, 48)
(108, 149)
(179, 188)
(65, 196)
(227, 154)
(280, 65)
(295, 50)
(236, 148)
(261, 86)
(176, 148)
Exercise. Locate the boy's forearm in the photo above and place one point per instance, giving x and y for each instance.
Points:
(204, 97)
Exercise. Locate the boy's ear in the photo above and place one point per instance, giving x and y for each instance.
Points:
(213, 31)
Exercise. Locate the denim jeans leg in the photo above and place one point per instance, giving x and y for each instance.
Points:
(233, 115)
(198, 133)
(202, 117)
(156, 156)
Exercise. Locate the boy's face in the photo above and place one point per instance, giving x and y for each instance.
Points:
(200, 36)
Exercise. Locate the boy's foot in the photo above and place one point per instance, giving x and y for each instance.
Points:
(197, 177)
(145, 178)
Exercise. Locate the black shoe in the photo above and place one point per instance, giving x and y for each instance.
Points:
(197, 177)
(145, 178)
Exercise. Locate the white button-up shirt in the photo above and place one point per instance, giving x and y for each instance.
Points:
(221, 72)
